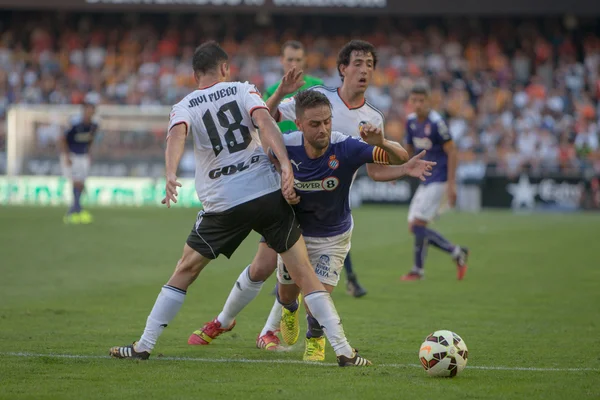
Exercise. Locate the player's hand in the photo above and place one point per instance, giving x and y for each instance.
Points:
(171, 190)
(287, 184)
(68, 161)
(451, 193)
(371, 134)
(291, 82)
(419, 168)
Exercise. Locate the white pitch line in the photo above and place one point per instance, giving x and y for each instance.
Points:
(250, 361)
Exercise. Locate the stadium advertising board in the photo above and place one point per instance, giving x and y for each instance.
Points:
(56, 191)
(525, 192)
(366, 190)
(134, 167)
(421, 7)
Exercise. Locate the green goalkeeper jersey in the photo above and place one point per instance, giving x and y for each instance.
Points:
(309, 81)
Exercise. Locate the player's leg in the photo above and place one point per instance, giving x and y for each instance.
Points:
(81, 164)
(245, 289)
(167, 305)
(282, 232)
(314, 343)
(212, 235)
(419, 212)
(459, 254)
(288, 306)
(353, 288)
(327, 255)
(66, 163)
(424, 207)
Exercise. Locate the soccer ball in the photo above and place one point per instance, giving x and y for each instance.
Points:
(443, 353)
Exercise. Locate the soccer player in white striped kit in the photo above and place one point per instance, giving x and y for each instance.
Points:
(241, 191)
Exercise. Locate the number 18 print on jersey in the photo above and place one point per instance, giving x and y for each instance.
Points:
(231, 166)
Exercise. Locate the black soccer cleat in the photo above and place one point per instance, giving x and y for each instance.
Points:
(353, 288)
(356, 361)
(128, 352)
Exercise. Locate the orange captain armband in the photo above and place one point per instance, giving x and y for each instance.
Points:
(380, 156)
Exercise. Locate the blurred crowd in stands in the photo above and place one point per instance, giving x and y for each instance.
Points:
(517, 93)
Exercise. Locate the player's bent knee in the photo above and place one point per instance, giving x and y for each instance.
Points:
(264, 263)
(260, 272)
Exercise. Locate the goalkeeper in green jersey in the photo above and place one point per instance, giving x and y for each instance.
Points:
(292, 56)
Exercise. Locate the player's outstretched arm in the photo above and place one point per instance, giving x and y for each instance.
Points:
(173, 154)
(415, 167)
(272, 140)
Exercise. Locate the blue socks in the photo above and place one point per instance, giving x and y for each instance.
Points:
(76, 207)
(348, 265)
(420, 233)
(425, 236)
(436, 239)
(314, 328)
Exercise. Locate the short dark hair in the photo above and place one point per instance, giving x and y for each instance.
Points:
(208, 56)
(420, 88)
(294, 44)
(355, 45)
(307, 99)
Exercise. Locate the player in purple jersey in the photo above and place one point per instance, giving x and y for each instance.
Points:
(75, 159)
(356, 64)
(427, 130)
(325, 164)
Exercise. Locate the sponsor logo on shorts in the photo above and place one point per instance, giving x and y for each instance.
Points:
(322, 267)
(328, 184)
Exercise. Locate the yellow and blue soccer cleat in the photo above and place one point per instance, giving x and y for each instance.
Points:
(289, 326)
(85, 217)
(314, 349)
(72, 219)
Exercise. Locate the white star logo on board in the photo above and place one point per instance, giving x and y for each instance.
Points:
(523, 193)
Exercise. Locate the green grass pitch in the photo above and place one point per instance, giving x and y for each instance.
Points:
(528, 310)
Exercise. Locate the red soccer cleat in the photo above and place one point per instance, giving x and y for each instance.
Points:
(269, 341)
(211, 330)
(412, 276)
(461, 263)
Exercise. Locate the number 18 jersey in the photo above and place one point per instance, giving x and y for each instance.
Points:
(231, 166)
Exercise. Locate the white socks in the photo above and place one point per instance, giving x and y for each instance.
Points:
(273, 320)
(322, 308)
(456, 251)
(165, 308)
(242, 293)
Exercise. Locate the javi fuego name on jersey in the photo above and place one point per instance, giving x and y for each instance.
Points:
(212, 97)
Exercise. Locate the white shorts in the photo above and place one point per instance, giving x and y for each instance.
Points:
(326, 254)
(79, 168)
(428, 202)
